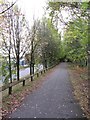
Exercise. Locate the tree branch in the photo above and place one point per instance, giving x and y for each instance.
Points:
(8, 7)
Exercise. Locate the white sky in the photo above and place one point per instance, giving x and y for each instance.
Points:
(35, 8)
(32, 8)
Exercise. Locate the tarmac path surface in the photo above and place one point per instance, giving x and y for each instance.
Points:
(53, 99)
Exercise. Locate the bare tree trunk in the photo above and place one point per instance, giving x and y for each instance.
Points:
(10, 73)
(32, 60)
(45, 63)
(18, 46)
(44, 58)
(17, 67)
(10, 46)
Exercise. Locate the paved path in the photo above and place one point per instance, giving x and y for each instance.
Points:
(54, 99)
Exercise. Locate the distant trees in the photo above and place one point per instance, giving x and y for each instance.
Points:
(32, 43)
(44, 44)
(49, 43)
(75, 43)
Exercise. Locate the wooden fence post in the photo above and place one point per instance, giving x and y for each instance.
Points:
(37, 74)
(24, 82)
(41, 72)
(10, 90)
(31, 77)
(44, 71)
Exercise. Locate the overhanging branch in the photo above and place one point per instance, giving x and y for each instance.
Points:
(8, 7)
